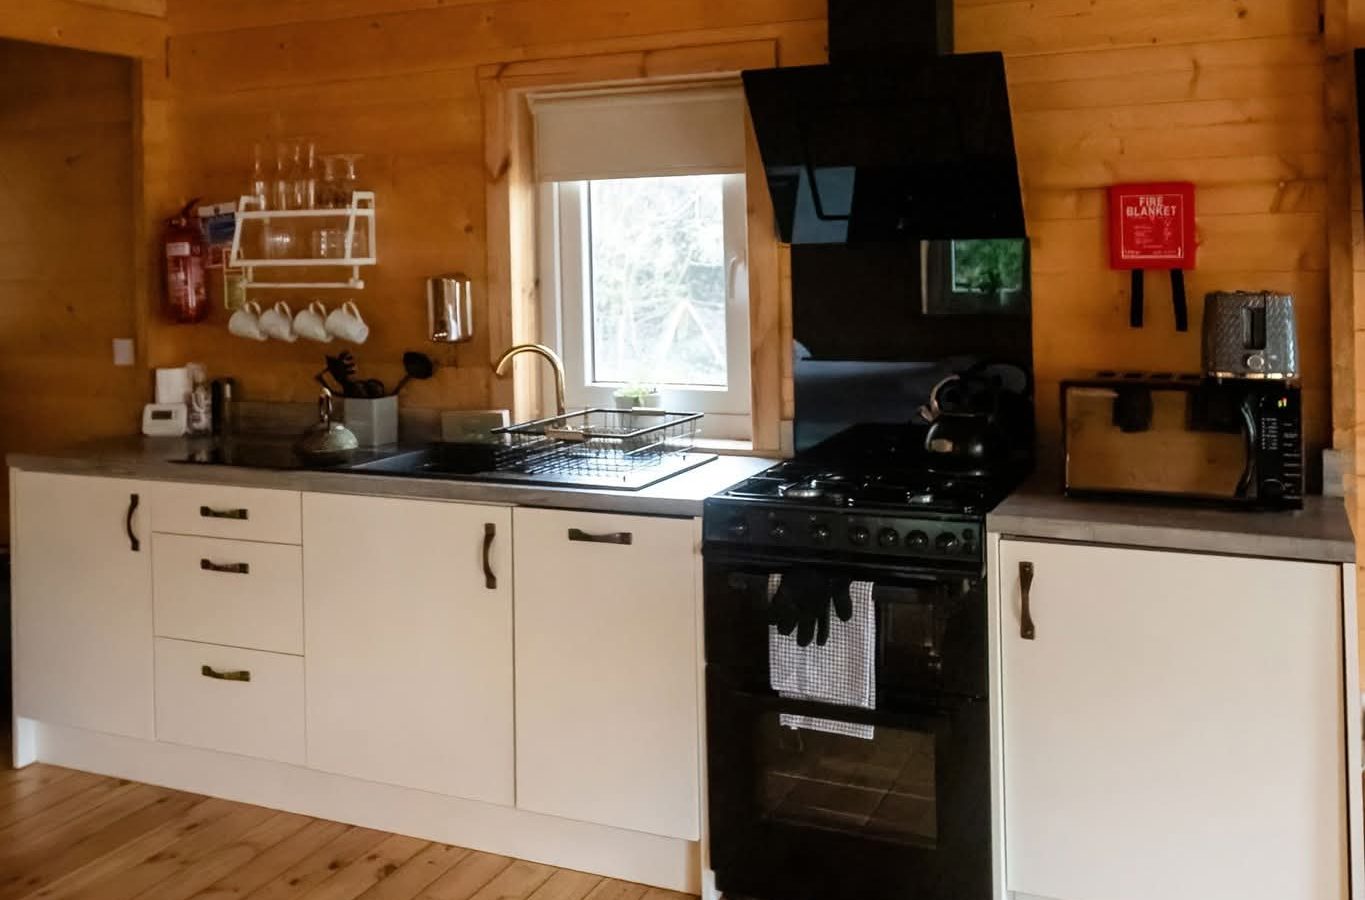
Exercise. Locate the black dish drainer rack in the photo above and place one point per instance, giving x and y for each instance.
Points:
(596, 442)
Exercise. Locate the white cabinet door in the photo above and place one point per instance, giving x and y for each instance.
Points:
(408, 643)
(83, 602)
(607, 670)
(1175, 728)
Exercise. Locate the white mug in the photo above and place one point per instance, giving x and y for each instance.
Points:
(311, 323)
(246, 322)
(278, 323)
(345, 323)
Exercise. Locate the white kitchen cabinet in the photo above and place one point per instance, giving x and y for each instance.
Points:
(408, 643)
(607, 670)
(82, 586)
(1175, 727)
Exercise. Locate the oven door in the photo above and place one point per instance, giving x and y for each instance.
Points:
(814, 801)
(897, 810)
(931, 622)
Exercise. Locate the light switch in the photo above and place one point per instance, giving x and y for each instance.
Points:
(124, 352)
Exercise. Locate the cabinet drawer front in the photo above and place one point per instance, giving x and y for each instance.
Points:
(238, 593)
(224, 698)
(210, 510)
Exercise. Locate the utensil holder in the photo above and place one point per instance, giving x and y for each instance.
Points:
(374, 422)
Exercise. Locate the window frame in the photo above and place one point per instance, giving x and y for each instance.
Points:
(564, 249)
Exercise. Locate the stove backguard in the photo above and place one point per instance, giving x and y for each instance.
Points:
(876, 327)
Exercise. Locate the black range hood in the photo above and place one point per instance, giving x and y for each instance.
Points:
(896, 139)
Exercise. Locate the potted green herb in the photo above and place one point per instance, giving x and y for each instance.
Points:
(634, 396)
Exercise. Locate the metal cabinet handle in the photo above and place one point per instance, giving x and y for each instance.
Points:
(211, 672)
(134, 544)
(1026, 629)
(490, 531)
(209, 512)
(623, 538)
(209, 565)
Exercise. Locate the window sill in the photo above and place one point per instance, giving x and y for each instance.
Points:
(725, 447)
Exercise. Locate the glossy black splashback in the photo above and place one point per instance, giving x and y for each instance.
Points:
(877, 326)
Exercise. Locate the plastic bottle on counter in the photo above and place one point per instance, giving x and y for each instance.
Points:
(200, 420)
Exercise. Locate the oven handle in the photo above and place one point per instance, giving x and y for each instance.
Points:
(856, 571)
(917, 716)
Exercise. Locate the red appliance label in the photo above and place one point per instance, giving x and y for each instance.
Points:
(1151, 226)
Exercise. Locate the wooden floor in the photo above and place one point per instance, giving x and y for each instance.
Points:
(66, 835)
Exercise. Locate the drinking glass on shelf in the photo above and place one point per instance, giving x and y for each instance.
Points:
(304, 174)
(278, 239)
(329, 188)
(259, 188)
(346, 176)
(282, 187)
(329, 243)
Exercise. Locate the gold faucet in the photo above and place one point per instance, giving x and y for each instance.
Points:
(549, 355)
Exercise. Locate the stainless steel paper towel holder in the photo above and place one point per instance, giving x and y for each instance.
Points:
(450, 309)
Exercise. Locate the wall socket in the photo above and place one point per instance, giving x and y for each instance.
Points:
(125, 352)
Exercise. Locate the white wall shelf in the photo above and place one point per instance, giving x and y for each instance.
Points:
(360, 214)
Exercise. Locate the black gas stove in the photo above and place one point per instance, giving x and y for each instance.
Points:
(872, 493)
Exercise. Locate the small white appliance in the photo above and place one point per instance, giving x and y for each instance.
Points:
(165, 419)
(173, 385)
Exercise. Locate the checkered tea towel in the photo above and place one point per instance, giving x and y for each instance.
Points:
(842, 672)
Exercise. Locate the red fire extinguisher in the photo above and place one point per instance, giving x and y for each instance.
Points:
(184, 249)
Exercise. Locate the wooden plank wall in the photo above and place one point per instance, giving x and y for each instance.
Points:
(397, 81)
(134, 28)
(1229, 95)
(66, 251)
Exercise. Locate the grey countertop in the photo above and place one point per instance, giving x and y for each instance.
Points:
(1320, 532)
(152, 459)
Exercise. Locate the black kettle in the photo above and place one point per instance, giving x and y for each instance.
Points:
(965, 433)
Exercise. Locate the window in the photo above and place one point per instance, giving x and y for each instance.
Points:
(643, 262)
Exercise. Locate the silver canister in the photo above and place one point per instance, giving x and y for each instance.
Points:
(450, 309)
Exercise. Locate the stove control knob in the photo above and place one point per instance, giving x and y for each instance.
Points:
(777, 531)
(858, 536)
(946, 541)
(917, 540)
(738, 528)
(819, 533)
(888, 537)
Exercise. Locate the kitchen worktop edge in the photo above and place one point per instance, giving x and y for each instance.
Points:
(1320, 532)
(152, 459)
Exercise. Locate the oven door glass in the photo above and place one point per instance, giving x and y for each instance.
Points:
(930, 626)
(853, 805)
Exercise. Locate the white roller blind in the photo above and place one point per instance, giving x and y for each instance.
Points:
(639, 133)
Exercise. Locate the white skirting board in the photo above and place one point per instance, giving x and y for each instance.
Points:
(615, 853)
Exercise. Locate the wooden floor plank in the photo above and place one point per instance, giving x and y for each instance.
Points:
(227, 858)
(417, 873)
(320, 865)
(469, 877)
(16, 783)
(176, 859)
(135, 851)
(72, 819)
(566, 884)
(26, 810)
(69, 835)
(660, 894)
(372, 868)
(273, 862)
(515, 882)
(71, 848)
(611, 889)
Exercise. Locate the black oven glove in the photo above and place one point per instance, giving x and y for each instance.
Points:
(801, 605)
